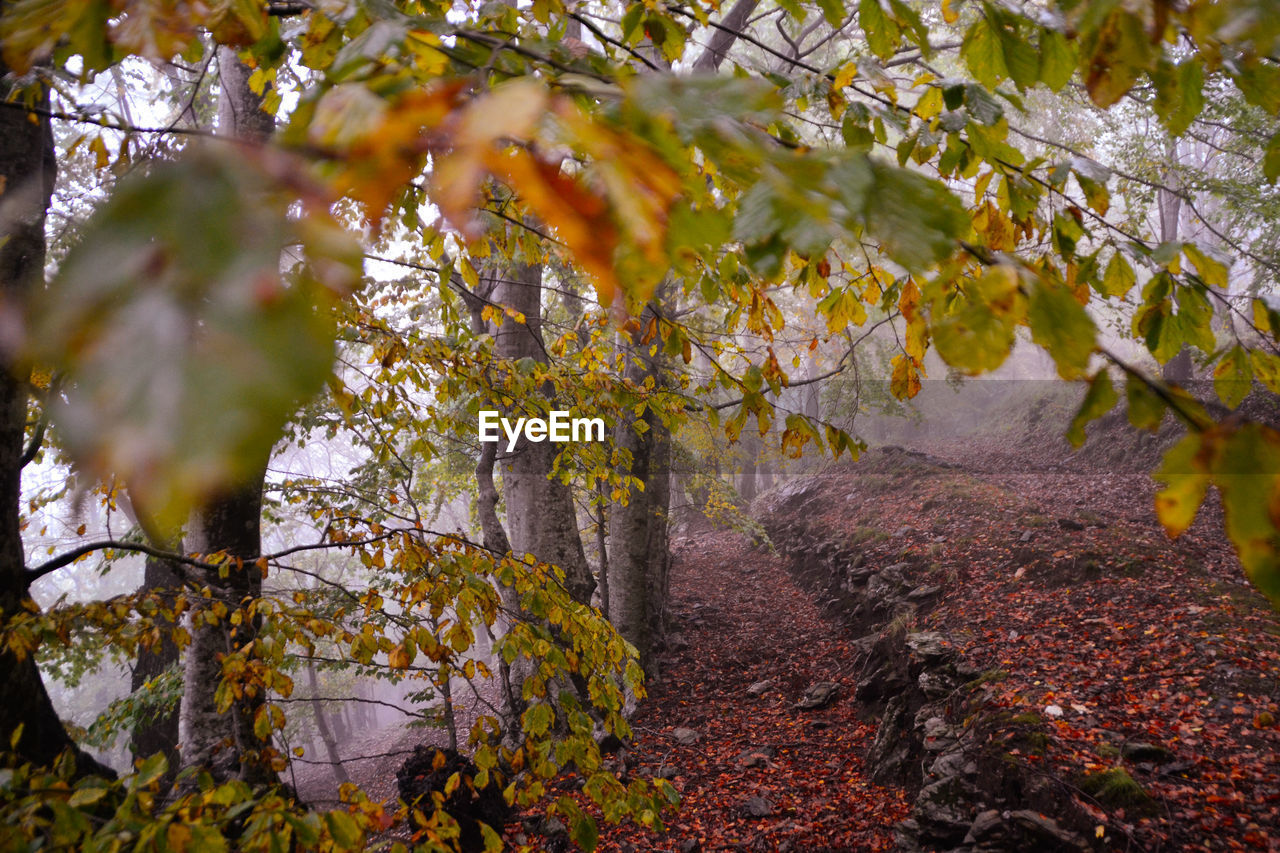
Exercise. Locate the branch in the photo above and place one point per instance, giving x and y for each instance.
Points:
(71, 556)
(109, 125)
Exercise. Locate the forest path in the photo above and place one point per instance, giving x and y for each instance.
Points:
(740, 620)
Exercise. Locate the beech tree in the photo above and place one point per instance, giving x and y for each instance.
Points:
(860, 165)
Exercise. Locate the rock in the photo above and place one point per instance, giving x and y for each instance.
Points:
(685, 737)
(1070, 524)
(759, 688)
(667, 771)
(677, 642)
(427, 772)
(756, 756)
(929, 647)
(818, 695)
(690, 845)
(995, 832)
(922, 592)
(901, 531)
(1137, 751)
(757, 807)
(1026, 536)
(935, 685)
(943, 813)
(894, 753)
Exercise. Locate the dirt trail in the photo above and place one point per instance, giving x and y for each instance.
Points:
(741, 620)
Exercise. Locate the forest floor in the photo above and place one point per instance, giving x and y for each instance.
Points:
(1057, 578)
(753, 772)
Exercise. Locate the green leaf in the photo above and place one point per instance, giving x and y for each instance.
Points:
(1098, 400)
(1061, 325)
(833, 11)
(882, 31)
(1271, 159)
(1119, 278)
(916, 220)
(1212, 271)
(976, 331)
(150, 770)
(1146, 408)
(983, 54)
(343, 829)
(1179, 94)
(1057, 59)
(584, 832)
(1233, 377)
(1185, 481)
(1266, 366)
(1247, 474)
(1019, 58)
(184, 350)
(86, 796)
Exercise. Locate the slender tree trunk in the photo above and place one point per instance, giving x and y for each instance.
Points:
(224, 743)
(638, 546)
(322, 726)
(1180, 368)
(27, 171)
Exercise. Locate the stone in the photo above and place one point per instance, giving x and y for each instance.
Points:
(1070, 524)
(922, 592)
(759, 688)
(818, 695)
(757, 807)
(677, 642)
(1023, 829)
(756, 756)
(426, 773)
(943, 812)
(690, 845)
(1026, 536)
(929, 647)
(1137, 751)
(684, 736)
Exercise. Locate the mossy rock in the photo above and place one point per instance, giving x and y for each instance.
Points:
(1116, 789)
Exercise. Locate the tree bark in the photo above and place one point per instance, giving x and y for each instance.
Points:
(639, 555)
(27, 170)
(322, 726)
(725, 35)
(541, 518)
(159, 733)
(224, 743)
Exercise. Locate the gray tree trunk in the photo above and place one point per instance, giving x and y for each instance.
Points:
(639, 555)
(224, 743)
(27, 170)
(340, 774)
(541, 517)
(1180, 368)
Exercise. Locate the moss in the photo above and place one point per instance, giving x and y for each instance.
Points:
(1030, 718)
(1108, 750)
(991, 676)
(1116, 789)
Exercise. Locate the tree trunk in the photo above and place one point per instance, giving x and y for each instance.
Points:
(322, 726)
(541, 518)
(27, 171)
(1180, 368)
(232, 524)
(638, 546)
(158, 733)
